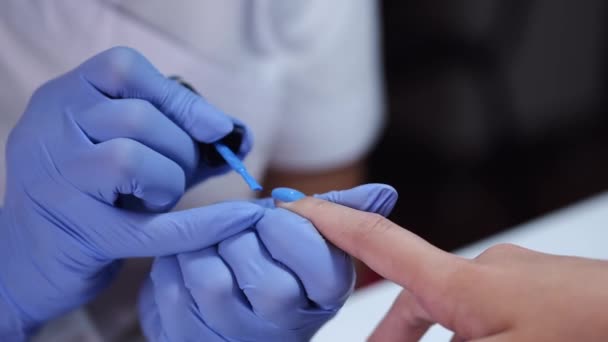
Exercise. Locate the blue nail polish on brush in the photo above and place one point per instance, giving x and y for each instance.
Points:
(236, 164)
(287, 195)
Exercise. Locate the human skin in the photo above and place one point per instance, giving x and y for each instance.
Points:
(507, 293)
(321, 181)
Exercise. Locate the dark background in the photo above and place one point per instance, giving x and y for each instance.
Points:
(496, 112)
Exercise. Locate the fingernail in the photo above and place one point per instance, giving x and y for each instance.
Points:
(287, 195)
(209, 123)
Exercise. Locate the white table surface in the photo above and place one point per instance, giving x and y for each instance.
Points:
(579, 230)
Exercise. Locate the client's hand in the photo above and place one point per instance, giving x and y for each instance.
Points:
(507, 293)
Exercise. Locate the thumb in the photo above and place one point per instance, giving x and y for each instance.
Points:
(373, 198)
(147, 235)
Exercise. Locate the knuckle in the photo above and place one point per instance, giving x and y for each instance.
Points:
(458, 283)
(371, 225)
(336, 288)
(375, 223)
(52, 91)
(499, 250)
(460, 274)
(42, 90)
(170, 291)
(286, 290)
(181, 102)
(273, 298)
(135, 115)
(220, 285)
(121, 60)
(124, 156)
(504, 247)
(319, 204)
(166, 287)
(460, 286)
(200, 281)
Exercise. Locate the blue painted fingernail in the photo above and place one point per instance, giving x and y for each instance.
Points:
(287, 195)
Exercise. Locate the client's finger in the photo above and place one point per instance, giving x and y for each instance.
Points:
(407, 320)
(387, 248)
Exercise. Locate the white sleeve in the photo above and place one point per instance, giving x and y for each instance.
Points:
(332, 103)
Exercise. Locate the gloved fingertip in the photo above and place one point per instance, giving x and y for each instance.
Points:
(209, 123)
(137, 204)
(287, 195)
(374, 197)
(247, 142)
(266, 202)
(380, 198)
(160, 200)
(386, 198)
(159, 207)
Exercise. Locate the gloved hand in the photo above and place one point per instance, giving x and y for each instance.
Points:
(113, 126)
(279, 281)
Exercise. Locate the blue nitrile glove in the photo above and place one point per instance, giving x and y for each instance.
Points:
(113, 126)
(278, 281)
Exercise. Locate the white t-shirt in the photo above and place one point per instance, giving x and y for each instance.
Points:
(304, 75)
